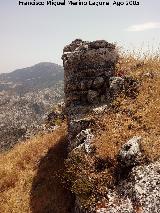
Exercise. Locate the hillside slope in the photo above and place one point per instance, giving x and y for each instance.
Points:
(29, 181)
(29, 176)
(107, 170)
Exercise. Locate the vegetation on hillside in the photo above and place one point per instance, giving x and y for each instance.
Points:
(128, 117)
(26, 97)
(30, 173)
(92, 175)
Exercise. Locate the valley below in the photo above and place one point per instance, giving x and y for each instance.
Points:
(26, 97)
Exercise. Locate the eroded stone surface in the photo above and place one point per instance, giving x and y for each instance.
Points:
(130, 153)
(138, 193)
(88, 67)
(116, 85)
(90, 83)
(84, 139)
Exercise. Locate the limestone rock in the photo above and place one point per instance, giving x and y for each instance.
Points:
(130, 153)
(84, 139)
(116, 85)
(143, 187)
(146, 187)
(75, 127)
(116, 204)
(138, 193)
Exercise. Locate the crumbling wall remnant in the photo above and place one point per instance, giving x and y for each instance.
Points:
(90, 85)
(88, 67)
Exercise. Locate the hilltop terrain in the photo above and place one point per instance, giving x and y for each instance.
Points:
(29, 181)
(112, 109)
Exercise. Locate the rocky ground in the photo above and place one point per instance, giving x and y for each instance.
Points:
(113, 129)
(106, 154)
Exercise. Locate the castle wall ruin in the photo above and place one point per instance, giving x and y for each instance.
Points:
(88, 67)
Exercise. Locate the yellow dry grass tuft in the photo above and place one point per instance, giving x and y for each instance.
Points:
(91, 175)
(134, 117)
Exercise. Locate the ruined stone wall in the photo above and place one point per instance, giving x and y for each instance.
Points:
(88, 67)
(90, 85)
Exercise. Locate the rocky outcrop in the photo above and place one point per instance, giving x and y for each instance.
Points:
(83, 140)
(90, 85)
(140, 192)
(88, 67)
(130, 154)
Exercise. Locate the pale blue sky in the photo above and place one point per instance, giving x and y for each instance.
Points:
(30, 34)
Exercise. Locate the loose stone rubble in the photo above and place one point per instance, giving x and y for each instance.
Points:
(116, 85)
(84, 139)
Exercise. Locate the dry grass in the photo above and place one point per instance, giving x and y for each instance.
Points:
(28, 173)
(84, 179)
(90, 175)
(134, 117)
(29, 179)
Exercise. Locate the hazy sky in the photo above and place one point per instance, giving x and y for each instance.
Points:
(33, 34)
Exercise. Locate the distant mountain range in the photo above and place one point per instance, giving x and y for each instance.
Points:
(26, 97)
(39, 76)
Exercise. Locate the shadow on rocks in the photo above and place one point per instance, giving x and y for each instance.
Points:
(48, 194)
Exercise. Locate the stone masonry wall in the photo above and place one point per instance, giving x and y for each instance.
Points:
(90, 85)
(88, 67)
